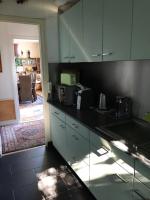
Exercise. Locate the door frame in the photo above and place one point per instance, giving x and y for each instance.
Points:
(43, 62)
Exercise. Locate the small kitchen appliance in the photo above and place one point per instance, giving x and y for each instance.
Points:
(66, 94)
(102, 102)
(84, 97)
(123, 107)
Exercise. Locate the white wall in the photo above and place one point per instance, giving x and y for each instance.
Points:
(9, 31)
(33, 47)
(52, 38)
(5, 76)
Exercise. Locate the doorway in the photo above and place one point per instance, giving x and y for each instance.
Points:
(28, 73)
(29, 131)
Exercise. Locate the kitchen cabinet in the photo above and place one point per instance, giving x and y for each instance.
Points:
(71, 34)
(117, 29)
(108, 180)
(96, 31)
(64, 38)
(141, 30)
(101, 165)
(141, 187)
(59, 133)
(78, 148)
(92, 32)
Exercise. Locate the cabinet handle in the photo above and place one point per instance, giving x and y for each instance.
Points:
(56, 113)
(72, 57)
(136, 192)
(66, 57)
(75, 126)
(62, 126)
(121, 178)
(75, 137)
(107, 54)
(96, 55)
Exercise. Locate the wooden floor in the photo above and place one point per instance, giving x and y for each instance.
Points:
(32, 111)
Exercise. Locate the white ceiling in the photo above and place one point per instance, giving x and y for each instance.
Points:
(30, 8)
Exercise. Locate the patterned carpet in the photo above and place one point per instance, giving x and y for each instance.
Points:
(22, 136)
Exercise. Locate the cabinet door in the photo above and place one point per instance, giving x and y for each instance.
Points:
(141, 30)
(142, 179)
(117, 29)
(76, 32)
(108, 180)
(78, 154)
(64, 38)
(59, 136)
(92, 33)
(79, 147)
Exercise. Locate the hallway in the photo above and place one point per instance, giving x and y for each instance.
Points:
(29, 132)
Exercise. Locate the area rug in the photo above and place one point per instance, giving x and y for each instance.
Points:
(22, 136)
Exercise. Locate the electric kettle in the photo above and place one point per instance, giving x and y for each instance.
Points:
(102, 101)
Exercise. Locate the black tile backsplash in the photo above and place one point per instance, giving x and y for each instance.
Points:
(126, 78)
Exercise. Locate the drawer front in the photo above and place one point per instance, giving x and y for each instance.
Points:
(140, 191)
(123, 159)
(82, 130)
(98, 141)
(142, 173)
(59, 114)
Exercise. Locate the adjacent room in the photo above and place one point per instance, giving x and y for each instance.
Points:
(26, 89)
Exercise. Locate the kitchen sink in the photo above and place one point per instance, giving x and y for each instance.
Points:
(134, 130)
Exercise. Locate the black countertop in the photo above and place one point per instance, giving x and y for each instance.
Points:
(99, 122)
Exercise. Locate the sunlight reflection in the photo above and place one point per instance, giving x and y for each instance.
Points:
(77, 42)
(47, 182)
(82, 171)
(120, 145)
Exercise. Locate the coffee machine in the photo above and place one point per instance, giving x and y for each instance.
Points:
(84, 97)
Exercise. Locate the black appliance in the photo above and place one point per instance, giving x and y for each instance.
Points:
(84, 98)
(123, 107)
(66, 94)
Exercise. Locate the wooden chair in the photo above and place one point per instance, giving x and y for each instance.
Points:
(33, 78)
(25, 84)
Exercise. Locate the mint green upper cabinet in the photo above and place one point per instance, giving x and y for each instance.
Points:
(92, 33)
(141, 30)
(64, 38)
(117, 29)
(71, 34)
(76, 33)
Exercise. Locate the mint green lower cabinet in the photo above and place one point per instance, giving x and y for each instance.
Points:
(59, 136)
(108, 180)
(141, 181)
(78, 159)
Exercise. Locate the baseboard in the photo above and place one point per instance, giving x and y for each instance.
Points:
(10, 122)
(49, 144)
(0, 147)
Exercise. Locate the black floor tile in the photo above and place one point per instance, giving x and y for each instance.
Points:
(80, 194)
(29, 192)
(6, 193)
(22, 179)
(19, 176)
